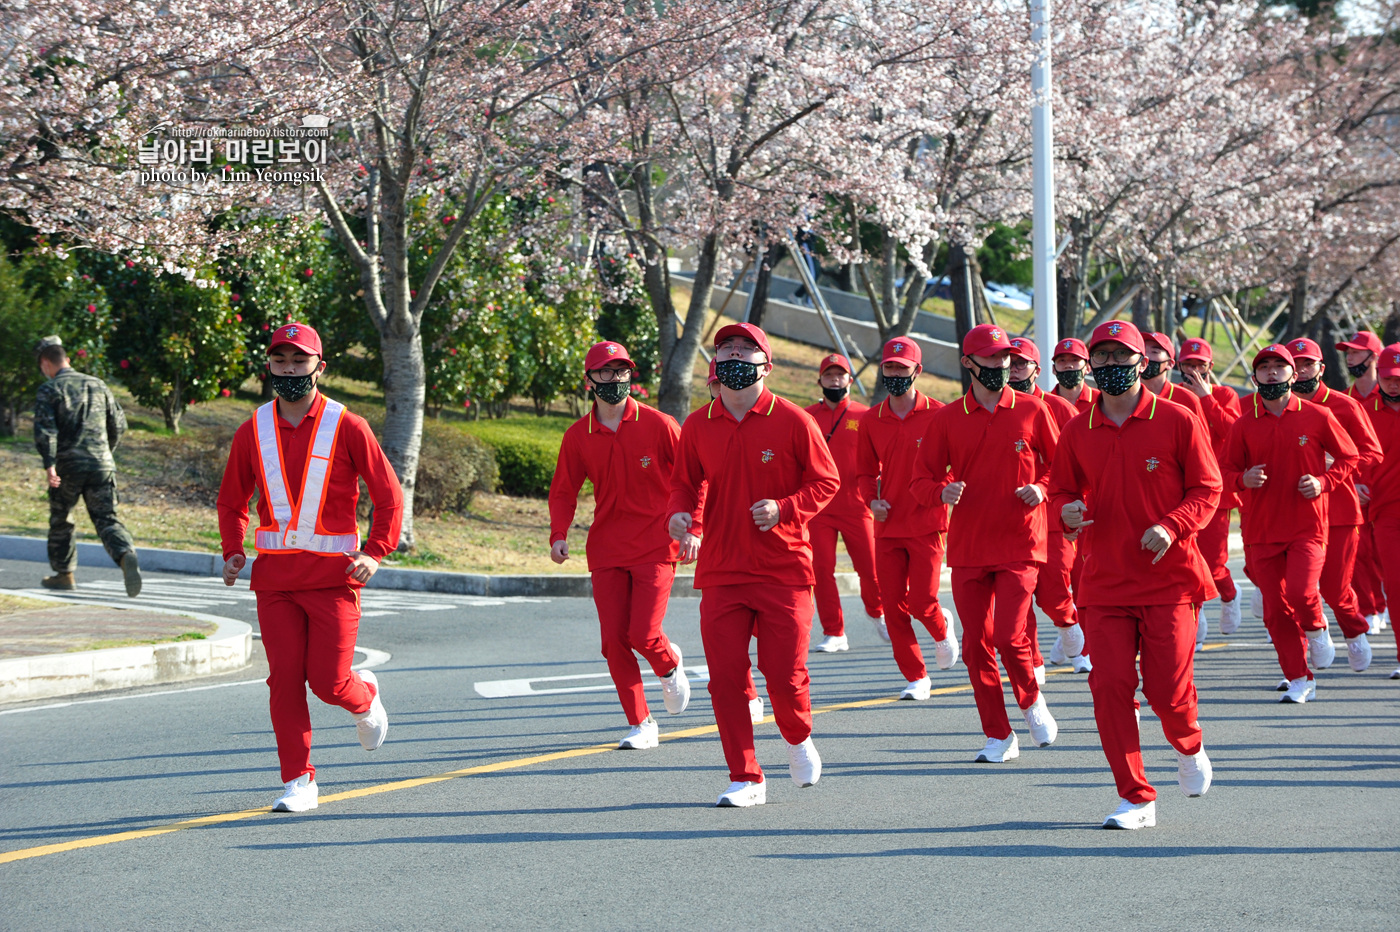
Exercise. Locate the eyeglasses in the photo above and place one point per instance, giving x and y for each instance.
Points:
(611, 375)
(1120, 356)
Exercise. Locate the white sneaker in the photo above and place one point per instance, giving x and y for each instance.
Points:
(1373, 624)
(880, 628)
(1300, 690)
(1132, 815)
(1082, 664)
(1230, 615)
(999, 750)
(833, 643)
(299, 795)
(1359, 653)
(1256, 603)
(918, 690)
(1073, 638)
(1194, 772)
(1201, 628)
(1268, 636)
(1282, 686)
(1395, 674)
(804, 763)
(373, 725)
(1321, 650)
(1385, 618)
(1041, 723)
(946, 650)
(756, 710)
(1057, 653)
(675, 689)
(641, 737)
(740, 795)
(1039, 674)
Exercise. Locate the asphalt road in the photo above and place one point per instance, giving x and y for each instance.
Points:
(903, 831)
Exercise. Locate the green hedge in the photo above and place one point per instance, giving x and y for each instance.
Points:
(526, 448)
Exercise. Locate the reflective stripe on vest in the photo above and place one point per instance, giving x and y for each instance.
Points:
(294, 529)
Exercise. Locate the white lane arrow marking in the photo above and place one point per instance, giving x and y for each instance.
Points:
(505, 689)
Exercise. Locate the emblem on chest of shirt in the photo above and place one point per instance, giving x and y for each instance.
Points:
(646, 461)
(1153, 463)
(1303, 440)
(853, 425)
(1020, 445)
(767, 455)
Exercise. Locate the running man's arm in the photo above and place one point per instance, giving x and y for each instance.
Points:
(1345, 456)
(820, 478)
(1201, 478)
(116, 419)
(384, 491)
(237, 487)
(569, 474)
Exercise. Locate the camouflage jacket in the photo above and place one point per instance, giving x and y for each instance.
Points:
(77, 423)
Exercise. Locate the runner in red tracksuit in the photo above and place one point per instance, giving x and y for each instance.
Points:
(1052, 588)
(909, 537)
(305, 456)
(1380, 484)
(838, 418)
(1276, 459)
(1221, 405)
(768, 473)
(1161, 360)
(988, 455)
(1345, 517)
(1361, 354)
(626, 449)
(1150, 482)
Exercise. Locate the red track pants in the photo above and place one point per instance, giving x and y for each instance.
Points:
(631, 603)
(781, 618)
(908, 569)
(1052, 592)
(992, 602)
(1165, 638)
(1214, 543)
(309, 637)
(1387, 539)
(1366, 577)
(1287, 575)
(1335, 582)
(859, 535)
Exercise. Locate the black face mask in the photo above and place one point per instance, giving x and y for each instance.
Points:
(1021, 385)
(898, 384)
(1115, 380)
(1070, 378)
(1153, 370)
(1273, 391)
(834, 395)
(1306, 386)
(611, 392)
(735, 374)
(1389, 399)
(292, 387)
(1358, 370)
(993, 380)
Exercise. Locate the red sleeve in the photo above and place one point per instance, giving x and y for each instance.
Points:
(1221, 413)
(569, 473)
(687, 475)
(1047, 439)
(239, 482)
(384, 490)
(1067, 483)
(1233, 464)
(1368, 445)
(820, 478)
(867, 461)
(697, 517)
(1201, 476)
(1344, 454)
(931, 465)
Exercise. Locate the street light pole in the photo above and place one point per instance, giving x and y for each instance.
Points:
(1043, 197)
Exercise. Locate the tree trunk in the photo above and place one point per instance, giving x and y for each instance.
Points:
(1297, 303)
(1142, 309)
(965, 279)
(9, 417)
(1325, 332)
(401, 348)
(1390, 329)
(172, 407)
(765, 278)
(678, 368)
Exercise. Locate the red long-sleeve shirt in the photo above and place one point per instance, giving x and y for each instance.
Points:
(776, 453)
(1221, 408)
(1382, 478)
(841, 428)
(1290, 445)
(1156, 468)
(1343, 505)
(357, 456)
(1062, 411)
(888, 449)
(995, 452)
(631, 474)
(1180, 395)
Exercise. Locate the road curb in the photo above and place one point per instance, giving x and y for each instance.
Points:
(49, 676)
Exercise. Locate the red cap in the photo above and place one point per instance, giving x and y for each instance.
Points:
(711, 378)
(835, 359)
(1120, 331)
(1197, 349)
(1026, 349)
(1364, 340)
(984, 339)
(902, 348)
(745, 330)
(1388, 362)
(1303, 348)
(298, 335)
(1073, 347)
(600, 354)
(1160, 339)
(1272, 351)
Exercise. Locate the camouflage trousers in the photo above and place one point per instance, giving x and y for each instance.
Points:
(98, 490)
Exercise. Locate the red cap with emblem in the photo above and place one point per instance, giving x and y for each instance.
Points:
(298, 335)
(835, 359)
(1069, 346)
(1303, 348)
(745, 330)
(1026, 349)
(1388, 363)
(1272, 351)
(985, 339)
(1364, 340)
(1120, 331)
(1160, 339)
(600, 354)
(904, 349)
(1197, 350)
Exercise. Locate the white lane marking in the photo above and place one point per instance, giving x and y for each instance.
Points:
(373, 658)
(505, 689)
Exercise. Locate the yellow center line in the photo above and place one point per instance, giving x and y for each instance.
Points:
(516, 764)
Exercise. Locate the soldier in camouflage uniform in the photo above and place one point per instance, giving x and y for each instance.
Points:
(77, 423)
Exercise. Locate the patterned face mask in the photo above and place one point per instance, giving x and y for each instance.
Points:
(1154, 369)
(1021, 385)
(993, 380)
(1306, 386)
(1115, 380)
(736, 375)
(1358, 370)
(610, 392)
(1273, 391)
(293, 387)
(897, 384)
(1070, 378)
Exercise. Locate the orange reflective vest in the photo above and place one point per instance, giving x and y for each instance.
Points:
(299, 528)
